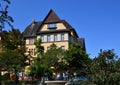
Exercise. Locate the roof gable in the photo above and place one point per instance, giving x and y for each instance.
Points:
(35, 28)
(31, 29)
(51, 17)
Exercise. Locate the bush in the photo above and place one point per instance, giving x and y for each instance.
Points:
(5, 76)
(11, 82)
(106, 78)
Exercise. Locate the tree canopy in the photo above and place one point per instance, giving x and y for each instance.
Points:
(104, 69)
(54, 56)
(13, 40)
(39, 48)
(10, 59)
(12, 49)
(76, 57)
(4, 17)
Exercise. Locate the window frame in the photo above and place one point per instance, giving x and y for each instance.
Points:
(52, 26)
(42, 38)
(55, 37)
(63, 47)
(62, 37)
(48, 48)
(31, 41)
(48, 38)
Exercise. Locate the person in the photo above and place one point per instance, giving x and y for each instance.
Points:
(46, 76)
(11, 76)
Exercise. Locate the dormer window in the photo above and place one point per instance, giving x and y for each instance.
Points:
(52, 26)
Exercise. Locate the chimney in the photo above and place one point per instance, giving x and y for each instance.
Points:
(33, 21)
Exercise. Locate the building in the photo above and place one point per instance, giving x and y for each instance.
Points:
(51, 30)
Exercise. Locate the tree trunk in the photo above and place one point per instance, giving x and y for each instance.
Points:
(16, 77)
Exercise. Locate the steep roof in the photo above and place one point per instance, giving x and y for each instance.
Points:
(81, 41)
(31, 29)
(51, 17)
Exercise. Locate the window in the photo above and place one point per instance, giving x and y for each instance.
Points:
(32, 51)
(63, 47)
(42, 38)
(51, 26)
(62, 37)
(31, 41)
(55, 37)
(48, 48)
(48, 38)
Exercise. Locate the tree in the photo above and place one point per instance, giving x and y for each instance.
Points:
(117, 63)
(77, 58)
(38, 68)
(104, 68)
(4, 17)
(39, 48)
(13, 40)
(104, 61)
(12, 54)
(55, 57)
(12, 60)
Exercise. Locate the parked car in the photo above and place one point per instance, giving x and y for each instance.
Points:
(80, 78)
(27, 78)
(60, 78)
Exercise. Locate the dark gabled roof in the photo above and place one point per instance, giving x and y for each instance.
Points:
(51, 17)
(31, 30)
(69, 27)
(81, 41)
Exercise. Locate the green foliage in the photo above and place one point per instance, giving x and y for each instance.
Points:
(105, 69)
(39, 48)
(77, 58)
(4, 17)
(37, 69)
(104, 78)
(83, 83)
(12, 54)
(5, 76)
(105, 61)
(13, 40)
(117, 65)
(9, 82)
(54, 57)
(10, 59)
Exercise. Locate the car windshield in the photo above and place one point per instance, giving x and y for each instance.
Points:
(80, 78)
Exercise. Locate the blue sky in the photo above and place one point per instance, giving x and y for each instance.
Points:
(98, 21)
